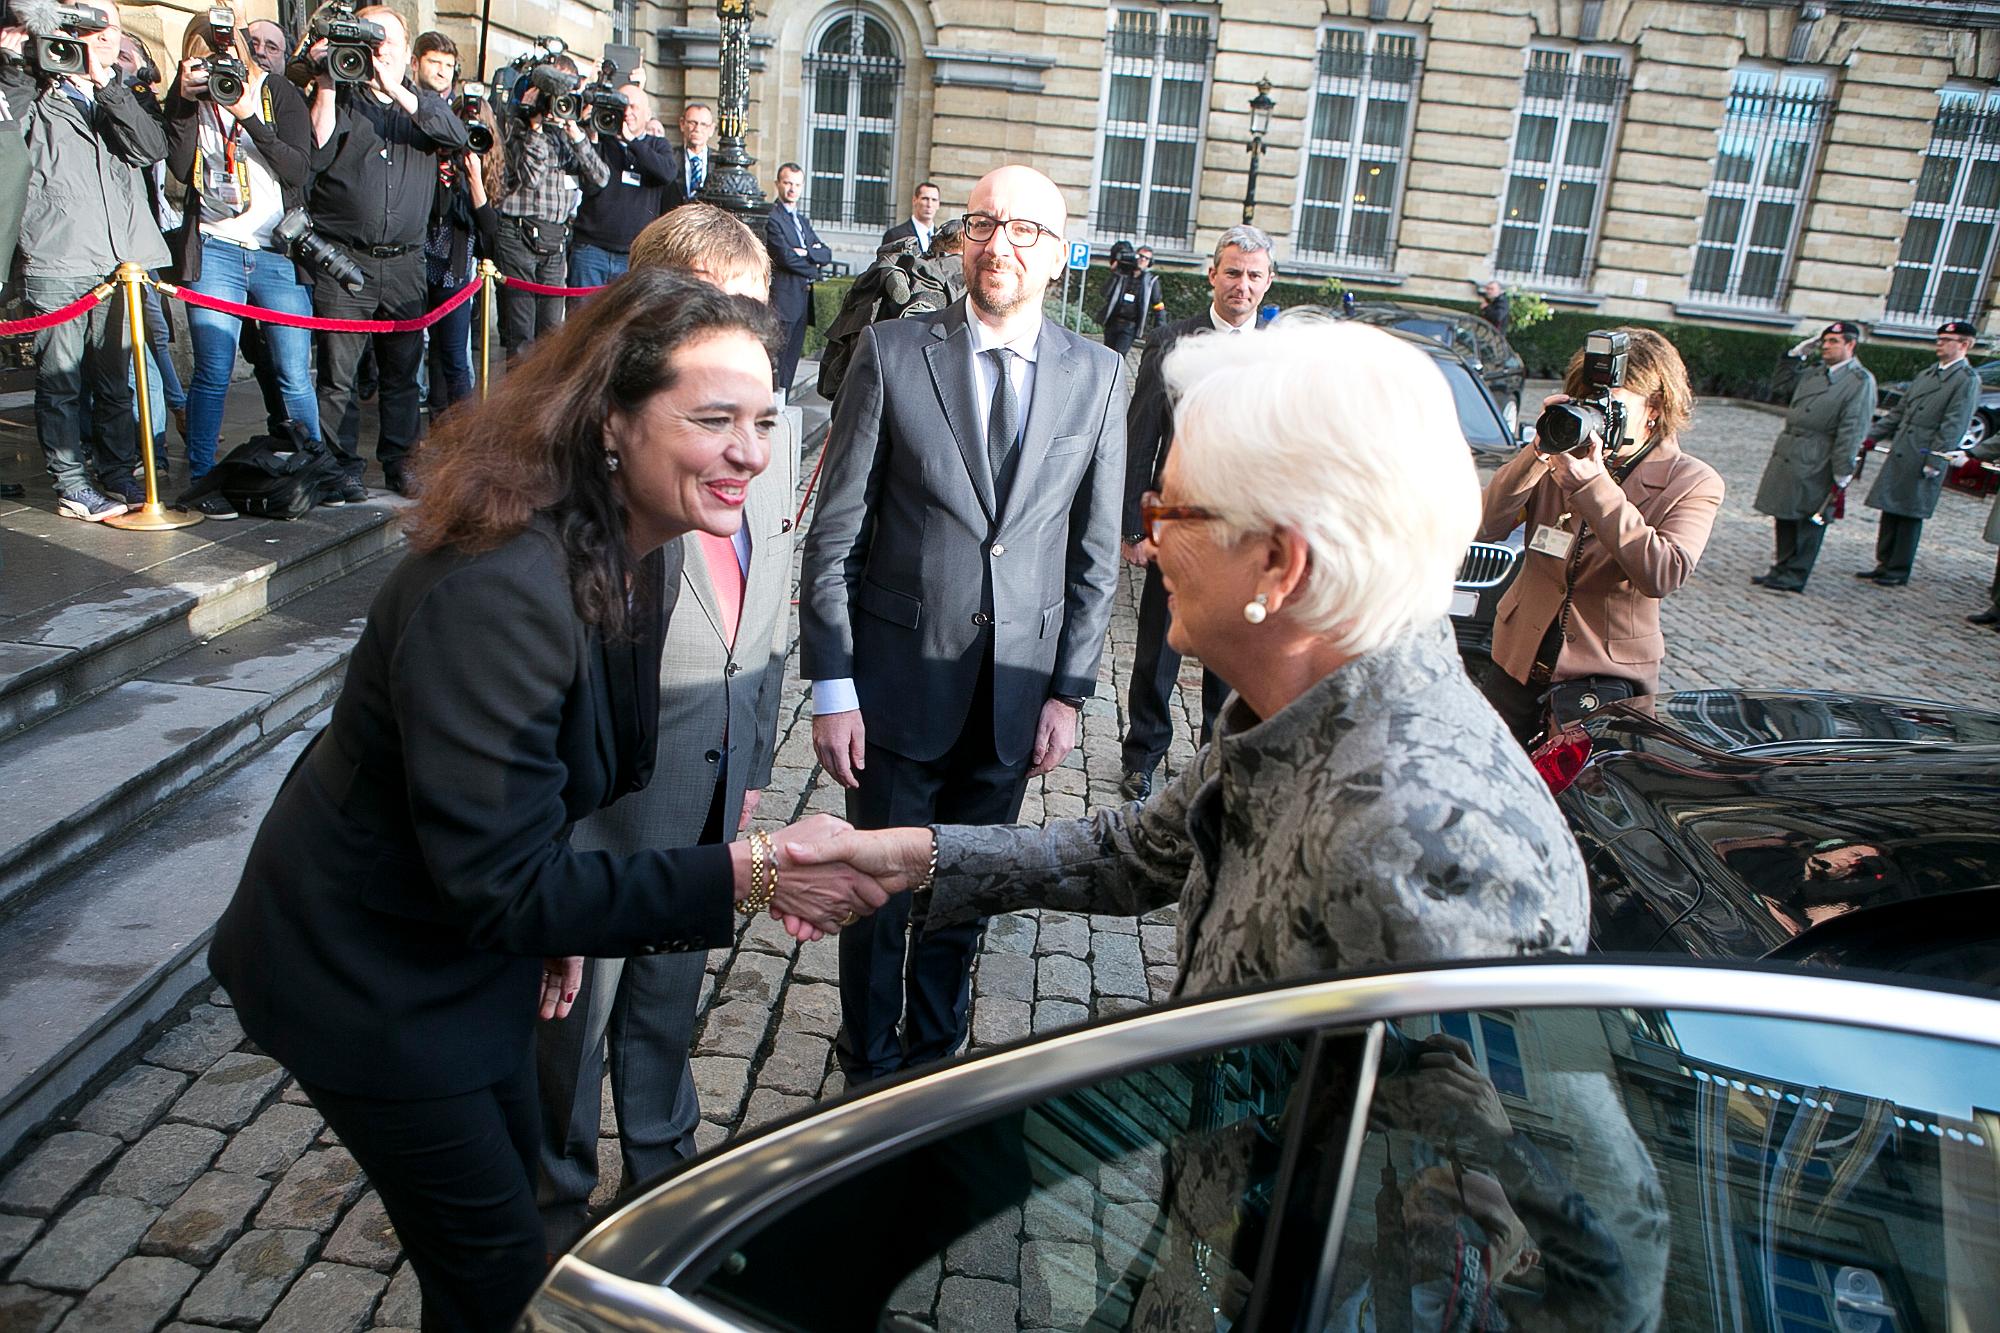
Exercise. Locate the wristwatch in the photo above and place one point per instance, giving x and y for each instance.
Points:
(1073, 700)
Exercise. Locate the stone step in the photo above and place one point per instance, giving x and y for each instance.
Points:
(84, 607)
(122, 943)
(83, 777)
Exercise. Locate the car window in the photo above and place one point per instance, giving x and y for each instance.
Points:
(1554, 1168)
(1483, 427)
(1142, 1200)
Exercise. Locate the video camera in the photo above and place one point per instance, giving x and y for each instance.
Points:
(1124, 259)
(471, 97)
(605, 110)
(295, 237)
(58, 31)
(227, 77)
(1566, 428)
(556, 85)
(350, 42)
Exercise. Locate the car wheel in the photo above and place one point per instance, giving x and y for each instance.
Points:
(1977, 431)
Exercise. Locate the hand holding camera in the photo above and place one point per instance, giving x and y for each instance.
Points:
(1568, 425)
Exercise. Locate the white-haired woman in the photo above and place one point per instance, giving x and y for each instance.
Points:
(1360, 804)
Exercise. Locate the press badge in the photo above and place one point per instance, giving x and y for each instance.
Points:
(629, 177)
(1552, 541)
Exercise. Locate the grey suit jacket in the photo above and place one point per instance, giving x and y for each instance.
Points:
(910, 565)
(705, 687)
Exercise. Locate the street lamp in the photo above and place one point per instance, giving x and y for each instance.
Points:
(729, 184)
(1261, 107)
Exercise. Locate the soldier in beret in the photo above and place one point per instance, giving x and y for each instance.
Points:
(1927, 427)
(1816, 453)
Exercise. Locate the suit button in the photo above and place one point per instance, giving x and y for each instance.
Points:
(713, 756)
(732, 669)
(998, 549)
(981, 618)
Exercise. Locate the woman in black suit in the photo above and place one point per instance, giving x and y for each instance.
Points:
(386, 940)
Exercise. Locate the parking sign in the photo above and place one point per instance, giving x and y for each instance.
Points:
(1079, 254)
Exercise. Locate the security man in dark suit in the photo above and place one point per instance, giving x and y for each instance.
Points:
(1816, 453)
(921, 225)
(1929, 427)
(796, 255)
(697, 124)
(957, 586)
(1238, 275)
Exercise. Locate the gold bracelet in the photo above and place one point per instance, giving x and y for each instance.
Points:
(924, 886)
(749, 906)
(770, 885)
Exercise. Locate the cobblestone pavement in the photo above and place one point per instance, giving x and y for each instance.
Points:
(198, 1187)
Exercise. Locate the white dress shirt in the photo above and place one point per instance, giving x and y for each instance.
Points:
(1224, 326)
(839, 696)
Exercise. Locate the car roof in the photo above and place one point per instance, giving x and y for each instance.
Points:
(1404, 312)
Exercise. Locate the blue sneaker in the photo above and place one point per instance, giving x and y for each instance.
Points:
(85, 503)
(132, 490)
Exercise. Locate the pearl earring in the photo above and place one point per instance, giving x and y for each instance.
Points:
(1255, 610)
(610, 460)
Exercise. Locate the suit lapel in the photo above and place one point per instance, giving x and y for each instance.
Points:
(958, 396)
(695, 579)
(760, 519)
(1048, 405)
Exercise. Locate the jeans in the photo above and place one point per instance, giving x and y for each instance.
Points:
(254, 277)
(97, 346)
(450, 351)
(592, 266)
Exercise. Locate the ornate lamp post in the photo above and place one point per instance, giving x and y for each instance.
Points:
(1261, 107)
(729, 183)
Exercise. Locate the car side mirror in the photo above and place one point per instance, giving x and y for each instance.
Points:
(1527, 432)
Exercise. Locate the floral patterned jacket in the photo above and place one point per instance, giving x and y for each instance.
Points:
(1384, 816)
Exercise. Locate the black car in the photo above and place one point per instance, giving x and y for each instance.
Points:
(1815, 827)
(1550, 1145)
(1484, 348)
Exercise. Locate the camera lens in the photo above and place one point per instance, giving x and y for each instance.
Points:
(1565, 426)
(349, 64)
(225, 87)
(480, 137)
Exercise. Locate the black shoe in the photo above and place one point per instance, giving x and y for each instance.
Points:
(1774, 585)
(1874, 573)
(1990, 616)
(211, 506)
(1760, 578)
(401, 484)
(1136, 785)
(1892, 580)
(350, 492)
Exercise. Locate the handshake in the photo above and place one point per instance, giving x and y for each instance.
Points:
(822, 873)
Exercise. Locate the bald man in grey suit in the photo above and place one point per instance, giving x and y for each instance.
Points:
(720, 690)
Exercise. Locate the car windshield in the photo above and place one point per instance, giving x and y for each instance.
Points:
(1423, 326)
(1484, 430)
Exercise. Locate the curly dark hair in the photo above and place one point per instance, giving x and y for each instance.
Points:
(536, 447)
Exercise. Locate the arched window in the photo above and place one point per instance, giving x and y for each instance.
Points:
(853, 76)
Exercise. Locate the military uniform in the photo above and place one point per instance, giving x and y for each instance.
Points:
(1820, 443)
(1988, 451)
(1929, 422)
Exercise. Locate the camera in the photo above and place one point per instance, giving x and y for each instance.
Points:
(227, 78)
(59, 30)
(470, 98)
(605, 110)
(1124, 259)
(295, 237)
(558, 90)
(350, 42)
(1566, 427)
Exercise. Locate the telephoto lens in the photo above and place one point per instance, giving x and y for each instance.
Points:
(479, 137)
(294, 235)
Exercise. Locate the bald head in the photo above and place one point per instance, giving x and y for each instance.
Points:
(1007, 274)
(1024, 193)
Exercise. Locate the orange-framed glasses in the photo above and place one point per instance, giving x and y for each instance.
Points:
(1152, 513)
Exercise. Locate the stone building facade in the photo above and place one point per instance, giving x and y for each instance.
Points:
(1763, 164)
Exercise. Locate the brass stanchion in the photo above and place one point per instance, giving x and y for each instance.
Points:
(488, 274)
(152, 516)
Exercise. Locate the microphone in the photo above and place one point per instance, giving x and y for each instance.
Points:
(42, 18)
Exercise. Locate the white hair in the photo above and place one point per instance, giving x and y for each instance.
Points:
(1346, 435)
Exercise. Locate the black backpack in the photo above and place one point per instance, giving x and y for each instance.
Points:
(902, 283)
(272, 476)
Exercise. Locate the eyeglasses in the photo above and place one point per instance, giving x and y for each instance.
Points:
(1021, 232)
(1152, 513)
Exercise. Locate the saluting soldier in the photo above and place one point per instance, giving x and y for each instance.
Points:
(1929, 424)
(1816, 453)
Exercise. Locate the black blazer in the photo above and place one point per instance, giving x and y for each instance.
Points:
(1149, 430)
(793, 275)
(385, 939)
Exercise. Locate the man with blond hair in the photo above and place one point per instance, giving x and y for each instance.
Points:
(957, 586)
(721, 681)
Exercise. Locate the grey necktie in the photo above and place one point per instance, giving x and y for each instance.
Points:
(1003, 423)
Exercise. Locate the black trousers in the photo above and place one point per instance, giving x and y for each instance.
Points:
(457, 1176)
(523, 315)
(1896, 544)
(395, 290)
(1156, 670)
(1798, 543)
(1118, 337)
(891, 967)
(795, 346)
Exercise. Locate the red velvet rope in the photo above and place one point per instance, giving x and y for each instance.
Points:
(76, 309)
(452, 302)
(543, 289)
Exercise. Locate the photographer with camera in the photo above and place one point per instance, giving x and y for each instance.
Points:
(89, 142)
(1611, 530)
(461, 225)
(546, 161)
(639, 169)
(240, 140)
(377, 141)
(1133, 301)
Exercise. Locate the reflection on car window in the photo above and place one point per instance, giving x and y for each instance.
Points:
(1476, 417)
(1642, 1145)
(1142, 1201)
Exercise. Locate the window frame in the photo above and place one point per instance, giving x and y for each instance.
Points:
(1764, 133)
(1982, 144)
(1143, 230)
(1363, 88)
(1559, 173)
(814, 65)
